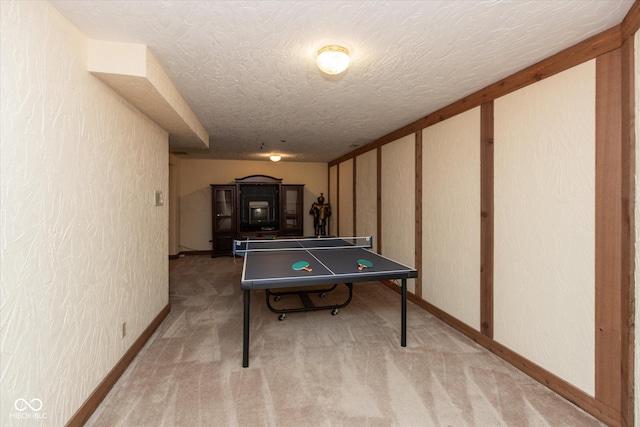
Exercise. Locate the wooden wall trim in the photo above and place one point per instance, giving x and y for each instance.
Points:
(631, 23)
(608, 229)
(334, 202)
(418, 202)
(486, 220)
(628, 172)
(337, 204)
(546, 378)
(353, 196)
(93, 401)
(379, 197)
(588, 49)
(331, 201)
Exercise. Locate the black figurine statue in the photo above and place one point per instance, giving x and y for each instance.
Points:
(321, 212)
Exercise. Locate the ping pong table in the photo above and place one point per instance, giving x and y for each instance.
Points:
(276, 264)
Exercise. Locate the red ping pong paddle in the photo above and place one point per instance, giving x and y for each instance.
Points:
(301, 265)
(364, 263)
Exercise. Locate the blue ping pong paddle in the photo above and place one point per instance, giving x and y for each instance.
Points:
(301, 265)
(364, 263)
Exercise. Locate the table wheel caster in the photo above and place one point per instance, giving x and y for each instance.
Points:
(281, 317)
(334, 311)
(276, 298)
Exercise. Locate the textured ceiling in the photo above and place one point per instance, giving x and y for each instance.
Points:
(247, 68)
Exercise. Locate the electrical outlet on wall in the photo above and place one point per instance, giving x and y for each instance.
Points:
(159, 198)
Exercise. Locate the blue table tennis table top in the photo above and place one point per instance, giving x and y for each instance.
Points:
(268, 263)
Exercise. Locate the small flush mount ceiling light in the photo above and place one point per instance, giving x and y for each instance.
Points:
(275, 158)
(333, 59)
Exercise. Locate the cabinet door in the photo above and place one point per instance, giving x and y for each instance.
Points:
(292, 209)
(223, 209)
(223, 219)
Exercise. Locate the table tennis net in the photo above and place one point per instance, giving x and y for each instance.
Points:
(268, 245)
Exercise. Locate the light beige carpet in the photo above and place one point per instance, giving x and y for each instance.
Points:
(315, 369)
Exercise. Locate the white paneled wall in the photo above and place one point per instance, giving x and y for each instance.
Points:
(451, 216)
(333, 200)
(544, 266)
(345, 181)
(545, 223)
(398, 202)
(367, 195)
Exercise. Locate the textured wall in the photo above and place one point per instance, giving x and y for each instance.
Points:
(398, 202)
(345, 181)
(545, 223)
(451, 216)
(84, 249)
(367, 195)
(195, 192)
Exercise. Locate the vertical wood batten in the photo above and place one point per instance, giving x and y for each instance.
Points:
(353, 196)
(486, 220)
(379, 196)
(418, 203)
(628, 306)
(336, 214)
(608, 230)
(328, 199)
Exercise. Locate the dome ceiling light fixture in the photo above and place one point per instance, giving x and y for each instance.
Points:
(333, 59)
(275, 158)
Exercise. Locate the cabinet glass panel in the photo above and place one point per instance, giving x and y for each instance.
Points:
(223, 203)
(292, 203)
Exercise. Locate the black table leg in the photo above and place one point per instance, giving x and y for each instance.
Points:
(403, 321)
(245, 335)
